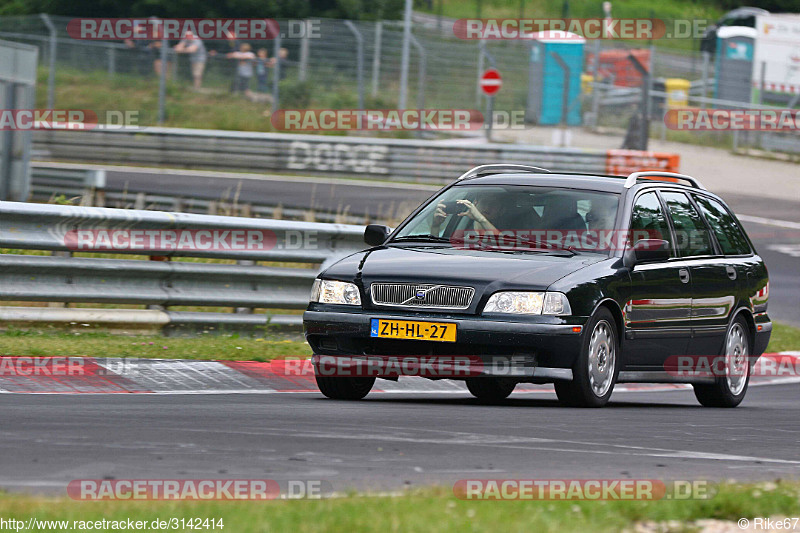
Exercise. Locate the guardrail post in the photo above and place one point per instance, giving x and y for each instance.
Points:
(359, 60)
(244, 310)
(59, 305)
(96, 187)
(376, 58)
(51, 75)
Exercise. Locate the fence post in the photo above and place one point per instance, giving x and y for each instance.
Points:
(162, 79)
(112, 60)
(7, 145)
(423, 63)
(595, 85)
(301, 73)
(376, 58)
(276, 76)
(51, 76)
(644, 105)
(359, 60)
(401, 102)
(760, 134)
(705, 77)
(488, 121)
(481, 52)
(564, 97)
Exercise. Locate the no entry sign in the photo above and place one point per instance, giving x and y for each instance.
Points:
(491, 81)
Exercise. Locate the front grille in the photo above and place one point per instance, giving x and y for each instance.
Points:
(424, 296)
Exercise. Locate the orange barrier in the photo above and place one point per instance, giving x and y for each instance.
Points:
(614, 64)
(624, 162)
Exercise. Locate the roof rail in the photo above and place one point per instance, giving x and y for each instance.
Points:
(499, 169)
(631, 181)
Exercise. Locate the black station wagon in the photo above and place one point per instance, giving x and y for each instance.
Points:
(578, 280)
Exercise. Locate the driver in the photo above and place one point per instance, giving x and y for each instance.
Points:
(482, 212)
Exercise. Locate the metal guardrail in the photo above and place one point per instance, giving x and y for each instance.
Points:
(47, 181)
(60, 278)
(50, 180)
(358, 157)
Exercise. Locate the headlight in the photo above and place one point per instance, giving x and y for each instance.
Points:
(528, 303)
(335, 292)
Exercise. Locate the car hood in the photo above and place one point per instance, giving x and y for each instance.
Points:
(486, 271)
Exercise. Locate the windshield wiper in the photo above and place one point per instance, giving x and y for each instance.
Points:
(537, 246)
(422, 237)
(427, 237)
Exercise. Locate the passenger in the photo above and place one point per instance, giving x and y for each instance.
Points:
(601, 214)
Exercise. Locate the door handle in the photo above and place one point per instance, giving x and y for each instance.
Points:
(731, 272)
(684, 275)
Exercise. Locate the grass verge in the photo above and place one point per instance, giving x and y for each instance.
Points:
(430, 509)
(784, 338)
(100, 344)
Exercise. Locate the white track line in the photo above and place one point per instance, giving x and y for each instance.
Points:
(769, 221)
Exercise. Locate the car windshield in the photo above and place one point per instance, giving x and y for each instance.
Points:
(516, 217)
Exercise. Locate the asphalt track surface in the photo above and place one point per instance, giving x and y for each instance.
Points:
(390, 441)
(397, 199)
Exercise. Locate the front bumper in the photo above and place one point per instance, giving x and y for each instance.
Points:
(531, 347)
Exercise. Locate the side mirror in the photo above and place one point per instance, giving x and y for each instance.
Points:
(646, 251)
(375, 234)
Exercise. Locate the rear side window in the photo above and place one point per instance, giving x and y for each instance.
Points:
(649, 217)
(728, 232)
(690, 230)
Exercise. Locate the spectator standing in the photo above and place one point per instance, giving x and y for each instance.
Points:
(262, 72)
(244, 69)
(282, 60)
(197, 56)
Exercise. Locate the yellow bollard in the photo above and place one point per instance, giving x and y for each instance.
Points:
(586, 83)
(677, 92)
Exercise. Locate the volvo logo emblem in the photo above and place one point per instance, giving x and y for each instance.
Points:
(420, 294)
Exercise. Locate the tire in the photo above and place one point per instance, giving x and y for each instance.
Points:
(344, 388)
(490, 389)
(729, 390)
(597, 367)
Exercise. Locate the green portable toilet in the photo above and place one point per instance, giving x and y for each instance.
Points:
(546, 77)
(734, 63)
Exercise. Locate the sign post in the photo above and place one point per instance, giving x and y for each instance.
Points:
(490, 83)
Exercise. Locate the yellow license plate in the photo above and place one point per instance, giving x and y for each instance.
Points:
(413, 329)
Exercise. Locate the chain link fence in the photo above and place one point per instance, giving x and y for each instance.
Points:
(353, 64)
